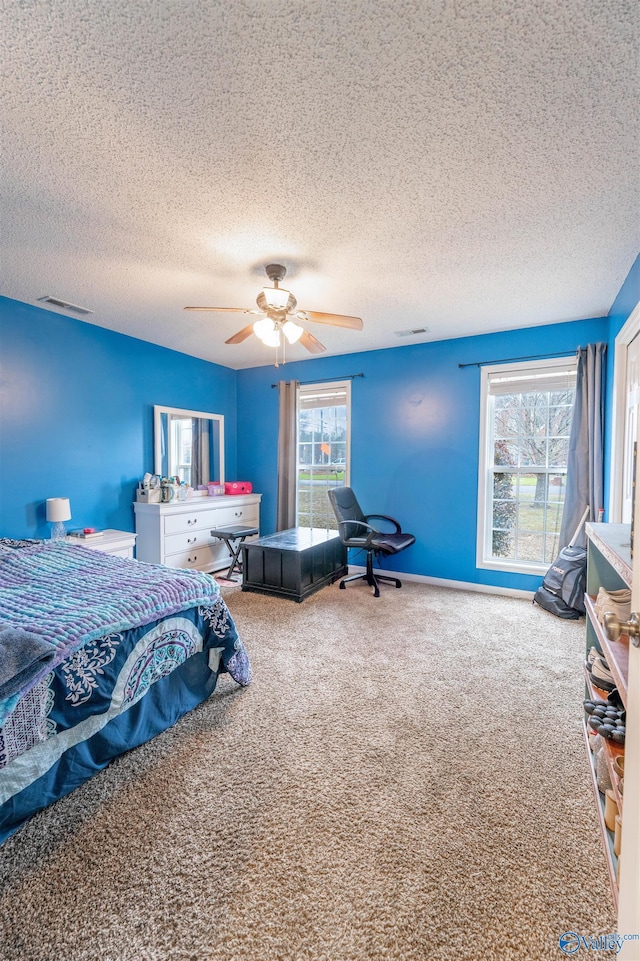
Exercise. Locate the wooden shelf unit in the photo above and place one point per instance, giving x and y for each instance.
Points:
(615, 654)
(607, 835)
(611, 748)
(608, 566)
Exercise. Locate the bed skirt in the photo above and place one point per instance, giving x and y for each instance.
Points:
(167, 700)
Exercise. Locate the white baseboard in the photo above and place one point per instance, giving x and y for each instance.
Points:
(444, 582)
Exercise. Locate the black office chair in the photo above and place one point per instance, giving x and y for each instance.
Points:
(356, 531)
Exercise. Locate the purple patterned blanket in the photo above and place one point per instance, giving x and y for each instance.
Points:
(69, 595)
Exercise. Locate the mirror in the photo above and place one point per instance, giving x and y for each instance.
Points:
(189, 444)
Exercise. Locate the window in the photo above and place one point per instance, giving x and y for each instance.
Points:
(526, 413)
(323, 450)
(180, 464)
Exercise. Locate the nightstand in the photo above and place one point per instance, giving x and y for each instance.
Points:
(118, 543)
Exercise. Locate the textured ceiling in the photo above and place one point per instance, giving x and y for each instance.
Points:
(462, 166)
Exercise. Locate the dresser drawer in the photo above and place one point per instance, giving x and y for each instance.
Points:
(191, 521)
(202, 557)
(188, 541)
(123, 552)
(247, 514)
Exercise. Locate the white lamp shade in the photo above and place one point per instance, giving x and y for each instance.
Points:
(58, 509)
(293, 332)
(267, 331)
(276, 297)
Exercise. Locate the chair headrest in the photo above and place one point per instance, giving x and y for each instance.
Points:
(345, 504)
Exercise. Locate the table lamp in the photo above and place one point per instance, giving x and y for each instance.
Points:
(58, 511)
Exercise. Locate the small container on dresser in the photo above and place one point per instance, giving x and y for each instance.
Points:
(179, 534)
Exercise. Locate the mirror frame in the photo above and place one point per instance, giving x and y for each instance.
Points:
(157, 433)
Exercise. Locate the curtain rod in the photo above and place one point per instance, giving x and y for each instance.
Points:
(512, 360)
(323, 380)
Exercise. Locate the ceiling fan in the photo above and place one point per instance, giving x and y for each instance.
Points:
(278, 316)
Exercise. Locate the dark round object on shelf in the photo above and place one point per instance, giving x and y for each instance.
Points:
(595, 722)
(606, 731)
(618, 735)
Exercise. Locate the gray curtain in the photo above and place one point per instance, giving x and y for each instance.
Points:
(197, 466)
(585, 473)
(287, 454)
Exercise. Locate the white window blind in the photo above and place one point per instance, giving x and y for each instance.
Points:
(331, 395)
(514, 381)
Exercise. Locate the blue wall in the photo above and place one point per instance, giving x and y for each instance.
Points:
(626, 300)
(414, 441)
(76, 420)
(76, 416)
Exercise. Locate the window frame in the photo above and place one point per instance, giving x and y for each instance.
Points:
(484, 560)
(178, 467)
(329, 387)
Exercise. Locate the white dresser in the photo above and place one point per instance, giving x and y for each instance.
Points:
(118, 543)
(179, 534)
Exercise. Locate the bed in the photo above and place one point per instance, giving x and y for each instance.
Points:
(98, 654)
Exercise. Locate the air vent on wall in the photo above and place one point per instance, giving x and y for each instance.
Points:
(412, 333)
(56, 302)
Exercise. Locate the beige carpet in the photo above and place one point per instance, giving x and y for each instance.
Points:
(405, 780)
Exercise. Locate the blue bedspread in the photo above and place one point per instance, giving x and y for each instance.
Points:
(112, 694)
(117, 652)
(67, 595)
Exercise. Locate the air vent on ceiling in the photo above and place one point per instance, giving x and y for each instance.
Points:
(412, 333)
(56, 302)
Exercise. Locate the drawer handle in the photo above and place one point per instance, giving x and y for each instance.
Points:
(191, 540)
(192, 560)
(194, 521)
(238, 514)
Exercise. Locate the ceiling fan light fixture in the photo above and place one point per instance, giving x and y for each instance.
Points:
(267, 332)
(277, 298)
(293, 332)
(278, 306)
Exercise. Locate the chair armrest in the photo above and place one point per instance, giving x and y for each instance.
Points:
(363, 541)
(385, 517)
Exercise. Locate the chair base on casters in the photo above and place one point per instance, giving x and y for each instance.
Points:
(371, 578)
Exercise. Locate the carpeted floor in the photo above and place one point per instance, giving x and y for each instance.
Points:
(404, 780)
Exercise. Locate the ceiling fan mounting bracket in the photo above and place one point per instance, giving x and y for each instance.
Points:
(275, 272)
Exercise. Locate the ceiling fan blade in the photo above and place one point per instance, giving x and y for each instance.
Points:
(309, 341)
(227, 310)
(241, 335)
(334, 320)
